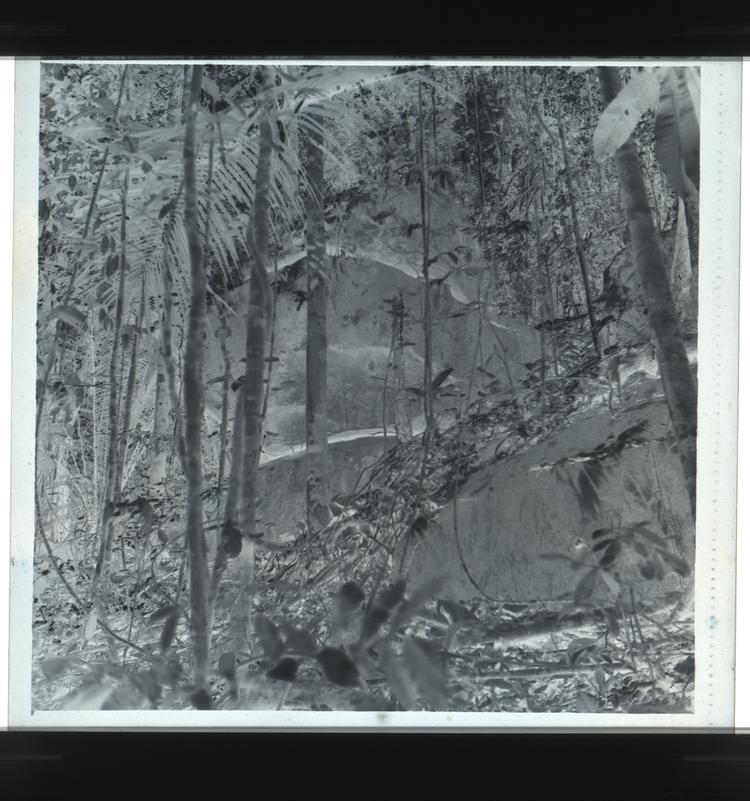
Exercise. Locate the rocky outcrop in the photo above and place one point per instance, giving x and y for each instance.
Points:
(374, 259)
(282, 480)
(510, 512)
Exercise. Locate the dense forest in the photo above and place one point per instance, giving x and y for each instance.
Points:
(366, 388)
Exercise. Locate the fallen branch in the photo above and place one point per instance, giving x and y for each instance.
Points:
(557, 671)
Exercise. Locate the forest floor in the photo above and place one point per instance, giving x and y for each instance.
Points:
(425, 652)
(539, 657)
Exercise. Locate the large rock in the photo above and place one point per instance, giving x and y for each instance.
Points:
(373, 259)
(510, 512)
(282, 480)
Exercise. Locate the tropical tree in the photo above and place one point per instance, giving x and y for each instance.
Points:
(673, 142)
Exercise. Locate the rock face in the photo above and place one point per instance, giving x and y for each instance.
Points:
(509, 513)
(381, 262)
(281, 481)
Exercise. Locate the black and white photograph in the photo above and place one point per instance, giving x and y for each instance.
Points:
(369, 388)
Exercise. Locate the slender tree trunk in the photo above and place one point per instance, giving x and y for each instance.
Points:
(102, 567)
(401, 416)
(224, 405)
(258, 236)
(230, 543)
(692, 204)
(192, 386)
(104, 559)
(129, 393)
(166, 342)
(316, 405)
(435, 156)
(463, 410)
(676, 376)
(158, 468)
(94, 415)
(477, 137)
(577, 235)
(424, 189)
(166, 387)
(272, 341)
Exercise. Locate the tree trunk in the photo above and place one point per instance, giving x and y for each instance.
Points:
(105, 550)
(258, 313)
(316, 402)
(192, 386)
(425, 213)
(401, 416)
(577, 235)
(691, 202)
(129, 392)
(158, 468)
(230, 543)
(94, 416)
(224, 405)
(166, 333)
(104, 559)
(676, 376)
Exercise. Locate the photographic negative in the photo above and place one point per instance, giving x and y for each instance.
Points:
(373, 389)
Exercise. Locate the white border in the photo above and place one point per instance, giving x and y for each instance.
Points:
(742, 612)
(6, 260)
(715, 561)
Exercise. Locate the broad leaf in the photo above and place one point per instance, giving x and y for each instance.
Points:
(669, 138)
(578, 647)
(68, 314)
(677, 563)
(87, 699)
(56, 665)
(440, 378)
(270, 639)
(146, 682)
(162, 613)
(398, 680)
(284, 670)
(428, 676)
(621, 116)
(201, 699)
(168, 631)
(688, 128)
(227, 665)
(338, 667)
(412, 604)
(350, 596)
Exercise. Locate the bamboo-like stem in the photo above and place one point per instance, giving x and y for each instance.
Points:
(577, 234)
(224, 425)
(318, 487)
(166, 334)
(229, 528)
(130, 391)
(676, 376)
(193, 398)
(424, 205)
(272, 341)
(258, 237)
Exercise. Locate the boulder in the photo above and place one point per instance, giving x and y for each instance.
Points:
(510, 512)
(359, 346)
(282, 480)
